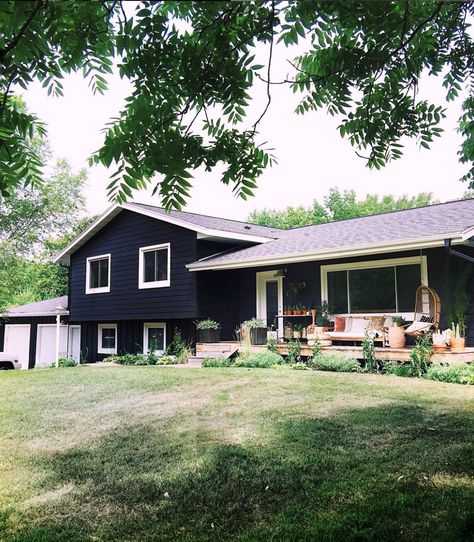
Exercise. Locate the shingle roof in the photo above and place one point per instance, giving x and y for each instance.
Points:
(43, 308)
(433, 221)
(212, 222)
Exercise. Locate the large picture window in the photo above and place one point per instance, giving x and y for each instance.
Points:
(98, 274)
(154, 266)
(378, 287)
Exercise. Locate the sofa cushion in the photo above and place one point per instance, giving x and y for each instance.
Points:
(340, 324)
(359, 325)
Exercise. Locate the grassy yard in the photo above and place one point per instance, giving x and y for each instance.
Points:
(148, 454)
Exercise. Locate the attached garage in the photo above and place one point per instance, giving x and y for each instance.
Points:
(29, 331)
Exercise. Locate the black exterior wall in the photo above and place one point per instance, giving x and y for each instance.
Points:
(122, 238)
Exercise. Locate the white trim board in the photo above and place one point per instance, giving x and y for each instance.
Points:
(100, 290)
(327, 254)
(101, 350)
(261, 305)
(141, 257)
(146, 327)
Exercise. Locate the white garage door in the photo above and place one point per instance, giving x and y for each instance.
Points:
(17, 341)
(46, 344)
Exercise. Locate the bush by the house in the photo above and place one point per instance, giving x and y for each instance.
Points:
(216, 362)
(398, 368)
(261, 360)
(335, 361)
(456, 374)
(140, 359)
(65, 362)
(179, 348)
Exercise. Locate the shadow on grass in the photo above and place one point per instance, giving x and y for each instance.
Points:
(391, 472)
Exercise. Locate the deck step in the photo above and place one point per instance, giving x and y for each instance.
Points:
(193, 361)
(219, 347)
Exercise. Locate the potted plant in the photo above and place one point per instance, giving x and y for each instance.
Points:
(396, 333)
(258, 330)
(297, 331)
(209, 331)
(440, 341)
(458, 341)
(323, 315)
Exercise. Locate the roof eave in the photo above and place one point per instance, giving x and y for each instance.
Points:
(431, 242)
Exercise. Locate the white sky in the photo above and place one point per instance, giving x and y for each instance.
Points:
(312, 157)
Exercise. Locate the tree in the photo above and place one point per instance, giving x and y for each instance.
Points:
(35, 223)
(337, 205)
(193, 66)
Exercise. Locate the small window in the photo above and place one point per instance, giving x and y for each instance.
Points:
(154, 338)
(154, 266)
(98, 274)
(107, 339)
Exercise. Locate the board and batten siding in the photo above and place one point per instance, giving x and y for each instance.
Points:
(122, 238)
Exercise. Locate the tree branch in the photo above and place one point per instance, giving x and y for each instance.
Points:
(17, 38)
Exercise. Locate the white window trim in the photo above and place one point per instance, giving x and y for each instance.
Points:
(101, 290)
(101, 350)
(157, 283)
(146, 327)
(261, 303)
(373, 264)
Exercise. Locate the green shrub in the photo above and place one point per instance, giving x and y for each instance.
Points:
(128, 359)
(65, 362)
(398, 369)
(272, 345)
(335, 361)
(216, 362)
(420, 355)
(261, 359)
(299, 366)
(179, 348)
(294, 350)
(456, 374)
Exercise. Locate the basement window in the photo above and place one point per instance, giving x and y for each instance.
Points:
(107, 339)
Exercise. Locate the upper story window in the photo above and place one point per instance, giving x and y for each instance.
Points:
(154, 266)
(98, 274)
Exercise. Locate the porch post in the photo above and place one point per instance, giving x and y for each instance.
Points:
(59, 311)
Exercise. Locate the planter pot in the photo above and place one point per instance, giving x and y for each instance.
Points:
(209, 335)
(457, 345)
(439, 348)
(297, 334)
(258, 335)
(396, 337)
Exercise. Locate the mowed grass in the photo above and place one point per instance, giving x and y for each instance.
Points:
(148, 453)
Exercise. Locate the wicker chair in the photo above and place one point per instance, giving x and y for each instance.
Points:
(427, 305)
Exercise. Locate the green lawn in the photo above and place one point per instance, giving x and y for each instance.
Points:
(149, 454)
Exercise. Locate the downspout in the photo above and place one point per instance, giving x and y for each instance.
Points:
(450, 250)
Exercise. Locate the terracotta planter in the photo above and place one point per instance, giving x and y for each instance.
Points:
(297, 334)
(439, 348)
(457, 345)
(396, 337)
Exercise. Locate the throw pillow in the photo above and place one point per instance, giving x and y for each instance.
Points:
(359, 325)
(377, 323)
(348, 323)
(340, 323)
(418, 326)
(429, 319)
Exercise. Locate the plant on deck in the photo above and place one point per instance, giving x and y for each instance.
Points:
(208, 323)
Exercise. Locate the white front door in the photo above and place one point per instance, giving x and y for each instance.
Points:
(270, 299)
(17, 341)
(74, 343)
(46, 344)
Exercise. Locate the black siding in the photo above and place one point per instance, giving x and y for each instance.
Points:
(122, 238)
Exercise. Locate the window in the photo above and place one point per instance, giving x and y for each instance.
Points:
(98, 274)
(154, 337)
(107, 339)
(377, 287)
(154, 266)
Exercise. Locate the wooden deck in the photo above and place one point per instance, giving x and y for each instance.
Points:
(388, 354)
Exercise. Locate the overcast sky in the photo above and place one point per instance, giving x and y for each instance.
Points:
(312, 157)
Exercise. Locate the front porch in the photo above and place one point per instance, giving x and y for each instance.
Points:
(227, 348)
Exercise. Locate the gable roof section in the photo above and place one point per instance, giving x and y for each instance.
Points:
(206, 226)
(40, 308)
(422, 227)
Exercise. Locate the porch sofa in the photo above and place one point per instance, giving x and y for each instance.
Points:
(353, 328)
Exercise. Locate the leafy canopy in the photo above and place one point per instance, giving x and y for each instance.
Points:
(193, 66)
(337, 205)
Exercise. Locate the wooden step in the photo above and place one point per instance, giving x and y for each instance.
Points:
(193, 361)
(219, 347)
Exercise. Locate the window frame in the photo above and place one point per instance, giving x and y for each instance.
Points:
(146, 327)
(374, 264)
(141, 267)
(102, 289)
(100, 328)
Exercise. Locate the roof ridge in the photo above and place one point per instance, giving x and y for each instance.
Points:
(381, 214)
(210, 216)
